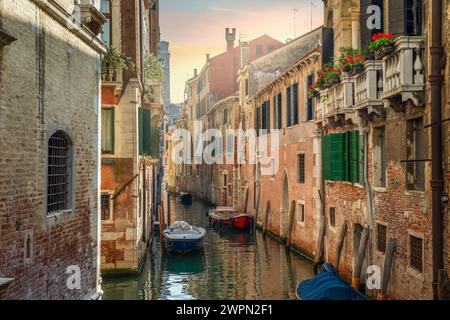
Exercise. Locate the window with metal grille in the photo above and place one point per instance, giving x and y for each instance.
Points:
(105, 206)
(105, 8)
(301, 168)
(415, 247)
(59, 175)
(332, 216)
(381, 237)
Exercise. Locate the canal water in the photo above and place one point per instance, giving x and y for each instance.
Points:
(232, 265)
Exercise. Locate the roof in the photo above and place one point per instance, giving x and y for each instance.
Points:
(267, 68)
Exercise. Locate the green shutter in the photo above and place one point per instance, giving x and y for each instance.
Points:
(361, 159)
(326, 157)
(144, 132)
(353, 163)
(338, 157)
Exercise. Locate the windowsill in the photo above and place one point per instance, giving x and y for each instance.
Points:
(414, 193)
(57, 214)
(380, 189)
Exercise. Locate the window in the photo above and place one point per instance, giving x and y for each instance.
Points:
(381, 237)
(301, 212)
(230, 145)
(144, 125)
(225, 116)
(105, 8)
(309, 102)
(108, 131)
(265, 116)
(258, 120)
(415, 151)
(288, 107)
(59, 176)
(343, 157)
(301, 168)
(106, 206)
(416, 253)
(270, 48)
(295, 104)
(379, 154)
(405, 17)
(274, 112)
(259, 50)
(332, 217)
(246, 87)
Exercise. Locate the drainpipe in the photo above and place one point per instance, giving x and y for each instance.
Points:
(437, 181)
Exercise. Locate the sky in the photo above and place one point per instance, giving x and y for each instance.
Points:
(197, 27)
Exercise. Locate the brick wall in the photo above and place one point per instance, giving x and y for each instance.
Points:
(49, 81)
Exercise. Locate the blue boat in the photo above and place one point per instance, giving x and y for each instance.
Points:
(182, 237)
(327, 285)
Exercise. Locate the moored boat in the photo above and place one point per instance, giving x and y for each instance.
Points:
(182, 237)
(242, 221)
(222, 215)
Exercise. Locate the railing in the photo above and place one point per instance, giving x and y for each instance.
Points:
(369, 85)
(337, 99)
(403, 69)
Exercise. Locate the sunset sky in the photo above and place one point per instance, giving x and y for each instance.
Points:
(197, 27)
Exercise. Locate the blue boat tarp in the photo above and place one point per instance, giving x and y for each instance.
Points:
(327, 286)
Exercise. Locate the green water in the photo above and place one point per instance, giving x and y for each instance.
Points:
(232, 265)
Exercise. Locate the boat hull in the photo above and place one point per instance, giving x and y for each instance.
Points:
(183, 246)
(242, 222)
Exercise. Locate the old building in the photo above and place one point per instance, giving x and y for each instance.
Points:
(131, 116)
(377, 150)
(164, 54)
(49, 137)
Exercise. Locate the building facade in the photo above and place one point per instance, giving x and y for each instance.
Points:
(164, 54)
(131, 116)
(50, 72)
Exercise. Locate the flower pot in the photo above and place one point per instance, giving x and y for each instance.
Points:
(357, 70)
(384, 51)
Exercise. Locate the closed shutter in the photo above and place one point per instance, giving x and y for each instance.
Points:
(264, 116)
(144, 131)
(361, 159)
(279, 111)
(295, 104)
(309, 103)
(267, 107)
(326, 168)
(338, 157)
(353, 164)
(396, 17)
(274, 108)
(288, 107)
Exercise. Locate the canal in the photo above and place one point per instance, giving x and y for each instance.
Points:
(232, 265)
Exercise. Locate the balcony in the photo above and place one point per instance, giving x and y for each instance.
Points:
(336, 102)
(403, 77)
(368, 88)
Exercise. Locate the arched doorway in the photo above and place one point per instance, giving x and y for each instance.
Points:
(284, 206)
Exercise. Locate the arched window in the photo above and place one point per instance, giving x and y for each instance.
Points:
(59, 177)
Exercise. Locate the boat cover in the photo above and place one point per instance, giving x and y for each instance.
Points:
(327, 286)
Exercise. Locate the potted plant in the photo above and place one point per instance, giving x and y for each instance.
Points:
(351, 61)
(330, 75)
(153, 71)
(114, 61)
(381, 44)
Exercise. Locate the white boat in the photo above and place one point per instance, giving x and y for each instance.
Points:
(182, 237)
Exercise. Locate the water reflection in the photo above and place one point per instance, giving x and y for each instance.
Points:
(232, 265)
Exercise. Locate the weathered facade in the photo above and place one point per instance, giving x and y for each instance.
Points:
(131, 112)
(50, 158)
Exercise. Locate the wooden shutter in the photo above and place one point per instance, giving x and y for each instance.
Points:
(309, 103)
(338, 157)
(295, 104)
(279, 111)
(288, 107)
(274, 108)
(326, 161)
(353, 155)
(264, 116)
(267, 107)
(144, 131)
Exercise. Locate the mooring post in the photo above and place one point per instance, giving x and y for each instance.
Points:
(360, 258)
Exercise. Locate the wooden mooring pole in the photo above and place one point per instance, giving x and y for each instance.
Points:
(388, 257)
(340, 243)
(360, 258)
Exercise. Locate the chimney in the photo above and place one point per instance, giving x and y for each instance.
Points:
(207, 57)
(245, 53)
(230, 37)
(195, 73)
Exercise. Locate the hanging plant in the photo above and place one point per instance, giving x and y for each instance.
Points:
(115, 61)
(153, 70)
